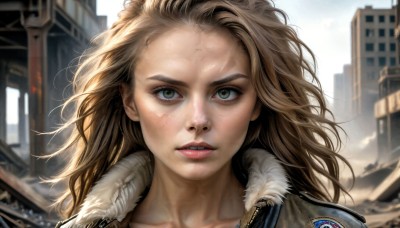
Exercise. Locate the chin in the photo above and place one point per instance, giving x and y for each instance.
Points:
(199, 172)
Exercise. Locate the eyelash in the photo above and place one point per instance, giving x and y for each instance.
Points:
(230, 89)
(156, 92)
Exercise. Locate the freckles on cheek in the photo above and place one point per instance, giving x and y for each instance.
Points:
(155, 123)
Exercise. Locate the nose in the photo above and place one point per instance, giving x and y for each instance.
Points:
(198, 121)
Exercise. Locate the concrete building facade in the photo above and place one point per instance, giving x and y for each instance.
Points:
(387, 108)
(373, 47)
(387, 114)
(342, 94)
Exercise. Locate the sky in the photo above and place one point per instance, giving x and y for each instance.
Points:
(325, 27)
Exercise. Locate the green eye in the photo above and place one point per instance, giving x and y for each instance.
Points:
(167, 94)
(224, 93)
(227, 94)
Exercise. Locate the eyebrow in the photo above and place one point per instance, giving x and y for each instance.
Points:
(224, 80)
(229, 78)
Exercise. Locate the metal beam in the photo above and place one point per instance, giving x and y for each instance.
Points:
(11, 24)
(24, 192)
(3, 85)
(11, 6)
(5, 29)
(15, 44)
(37, 28)
(37, 73)
(13, 48)
(67, 31)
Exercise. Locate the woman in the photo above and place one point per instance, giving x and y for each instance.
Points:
(199, 114)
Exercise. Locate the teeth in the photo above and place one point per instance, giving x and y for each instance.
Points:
(196, 148)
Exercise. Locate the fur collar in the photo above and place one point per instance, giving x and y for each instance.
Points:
(118, 191)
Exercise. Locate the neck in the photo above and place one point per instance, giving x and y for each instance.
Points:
(189, 203)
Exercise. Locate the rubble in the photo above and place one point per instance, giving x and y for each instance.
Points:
(20, 204)
(380, 214)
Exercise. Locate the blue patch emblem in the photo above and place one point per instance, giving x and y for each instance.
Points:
(326, 223)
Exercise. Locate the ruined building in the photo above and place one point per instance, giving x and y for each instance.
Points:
(38, 41)
(373, 46)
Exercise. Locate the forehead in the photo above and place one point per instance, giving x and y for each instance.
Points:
(192, 44)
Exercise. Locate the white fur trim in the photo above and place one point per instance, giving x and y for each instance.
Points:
(267, 178)
(118, 192)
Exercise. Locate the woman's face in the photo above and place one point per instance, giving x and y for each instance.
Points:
(194, 100)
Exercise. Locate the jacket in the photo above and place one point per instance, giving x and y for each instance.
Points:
(268, 202)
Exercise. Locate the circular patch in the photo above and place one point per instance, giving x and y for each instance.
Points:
(326, 223)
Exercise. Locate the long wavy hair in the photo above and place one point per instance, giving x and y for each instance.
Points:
(294, 124)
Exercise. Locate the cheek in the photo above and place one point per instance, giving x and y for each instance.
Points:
(234, 125)
(155, 123)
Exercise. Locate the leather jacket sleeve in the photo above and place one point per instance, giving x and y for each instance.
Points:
(303, 211)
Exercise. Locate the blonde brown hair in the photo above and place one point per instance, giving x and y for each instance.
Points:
(292, 124)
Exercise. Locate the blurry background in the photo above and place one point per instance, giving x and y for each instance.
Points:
(357, 52)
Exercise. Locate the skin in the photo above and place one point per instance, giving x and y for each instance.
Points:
(192, 85)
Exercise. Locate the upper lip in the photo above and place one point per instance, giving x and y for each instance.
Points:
(205, 145)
